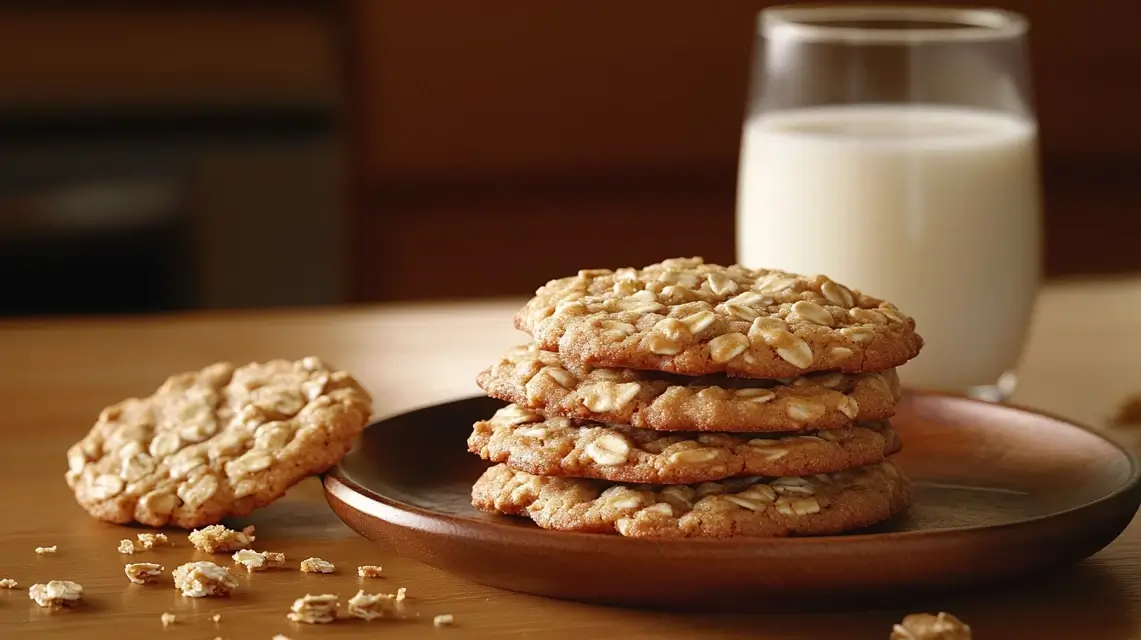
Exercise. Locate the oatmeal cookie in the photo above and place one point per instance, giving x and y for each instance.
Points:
(688, 317)
(218, 442)
(739, 507)
(541, 380)
(526, 441)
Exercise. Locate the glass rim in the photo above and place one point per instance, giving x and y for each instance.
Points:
(971, 24)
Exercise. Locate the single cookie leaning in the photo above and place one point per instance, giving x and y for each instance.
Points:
(219, 442)
(739, 507)
(684, 316)
(526, 441)
(541, 380)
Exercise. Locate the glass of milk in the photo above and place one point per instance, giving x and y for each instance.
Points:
(894, 149)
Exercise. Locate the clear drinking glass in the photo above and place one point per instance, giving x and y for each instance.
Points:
(894, 149)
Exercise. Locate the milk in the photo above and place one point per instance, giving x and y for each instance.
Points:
(934, 209)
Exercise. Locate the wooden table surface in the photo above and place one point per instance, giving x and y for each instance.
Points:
(1083, 356)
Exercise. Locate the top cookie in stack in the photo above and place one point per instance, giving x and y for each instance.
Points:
(684, 316)
(684, 372)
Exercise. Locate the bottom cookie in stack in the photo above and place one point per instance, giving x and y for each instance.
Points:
(578, 475)
(736, 507)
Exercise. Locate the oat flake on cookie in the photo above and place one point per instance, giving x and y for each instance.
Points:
(747, 507)
(688, 317)
(545, 382)
(526, 441)
(215, 443)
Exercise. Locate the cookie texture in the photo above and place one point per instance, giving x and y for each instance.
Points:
(218, 442)
(203, 579)
(542, 380)
(526, 441)
(688, 317)
(739, 507)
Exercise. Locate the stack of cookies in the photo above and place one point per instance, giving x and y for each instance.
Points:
(697, 400)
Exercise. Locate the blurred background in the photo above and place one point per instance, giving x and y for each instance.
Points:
(159, 156)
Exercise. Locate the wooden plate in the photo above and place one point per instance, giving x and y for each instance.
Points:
(1002, 493)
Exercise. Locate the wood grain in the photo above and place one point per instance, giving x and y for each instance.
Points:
(1082, 358)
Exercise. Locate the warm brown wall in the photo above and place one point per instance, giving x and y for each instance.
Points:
(503, 142)
(104, 55)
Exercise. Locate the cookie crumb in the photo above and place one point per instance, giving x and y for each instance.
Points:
(316, 565)
(46, 550)
(258, 560)
(278, 636)
(57, 593)
(401, 594)
(167, 619)
(217, 538)
(444, 620)
(217, 617)
(143, 572)
(924, 626)
(311, 609)
(369, 571)
(151, 540)
(127, 547)
(8, 583)
(201, 579)
(370, 606)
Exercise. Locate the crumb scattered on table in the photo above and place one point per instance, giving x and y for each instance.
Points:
(167, 619)
(370, 606)
(202, 579)
(151, 540)
(924, 626)
(311, 609)
(369, 571)
(47, 550)
(217, 617)
(8, 583)
(217, 538)
(443, 620)
(143, 572)
(401, 594)
(127, 547)
(57, 593)
(258, 560)
(316, 565)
